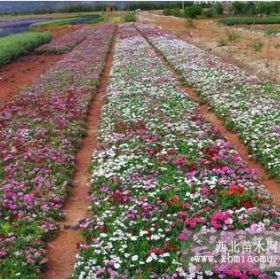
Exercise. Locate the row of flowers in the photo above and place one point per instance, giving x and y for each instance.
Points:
(161, 174)
(20, 22)
(40, 132)
(67, 42)
(248, 106)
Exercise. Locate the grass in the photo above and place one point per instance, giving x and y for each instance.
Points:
(57, 22)
(251, 20)
(129, 18)
(47, 16)
(14, 46)
(96, 19)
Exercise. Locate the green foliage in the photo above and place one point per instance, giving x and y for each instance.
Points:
(251, 20)
(237, 199)
(96, 19)
(208, 13)
(84, 8)
(168, 12)
(177, 12)
(129, 18)
(253, 8)
(13, 46)
(270, 32)
(153, 5)
(232, 36)
(57, 22)
(257, 45)
(193, 11)
(218, 8)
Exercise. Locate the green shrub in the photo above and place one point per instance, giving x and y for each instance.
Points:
(177, 12)
(251, 20)
(232, 36)
(168, 12)
(257, 45)
(13, 46)
(193, 11)
(218, 8)
(129, 18)
(208, 13)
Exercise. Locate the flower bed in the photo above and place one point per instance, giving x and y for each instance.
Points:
(159, 174)
(67, 42)
(248, 106)
(40, 133)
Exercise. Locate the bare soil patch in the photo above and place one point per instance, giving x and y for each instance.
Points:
(59, 31)
(21, 73)
(207, 34)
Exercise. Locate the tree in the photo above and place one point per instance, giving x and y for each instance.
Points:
(193, 11)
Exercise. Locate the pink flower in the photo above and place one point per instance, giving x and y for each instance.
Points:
(182, 236)
(192, 222)
(221, 218)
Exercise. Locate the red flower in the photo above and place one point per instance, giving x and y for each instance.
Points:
(169, 245)
(103, 229)
(248, 204)
(157, 251)
(236, 190)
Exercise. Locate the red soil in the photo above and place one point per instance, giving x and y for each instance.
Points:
(59, 31)
(20, 74)
(61, 252)
(271, 184)
(207, 34)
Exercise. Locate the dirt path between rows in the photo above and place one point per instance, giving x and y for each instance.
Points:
(271, 184)
(22, 73)
(61, 251)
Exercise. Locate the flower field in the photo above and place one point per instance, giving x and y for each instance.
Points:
(40, 132)
(247, 105)
(162, 175)
(67, 42)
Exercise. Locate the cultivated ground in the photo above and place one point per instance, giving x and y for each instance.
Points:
(208, 35)
(130, 141)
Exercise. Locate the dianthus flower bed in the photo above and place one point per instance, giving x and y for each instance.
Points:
(67, 42)
(160, 174)
(40, 132)
(248, 106)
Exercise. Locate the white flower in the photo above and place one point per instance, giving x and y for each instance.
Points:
(135, 258)
(117, 265)
(165, 255)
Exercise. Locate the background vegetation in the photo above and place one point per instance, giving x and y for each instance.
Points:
(13, 46)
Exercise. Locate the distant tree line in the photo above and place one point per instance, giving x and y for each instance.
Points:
(255, 8)
(192, 9)
(206, 10)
